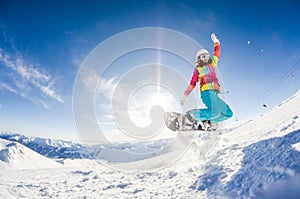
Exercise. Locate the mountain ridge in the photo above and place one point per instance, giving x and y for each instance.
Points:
(14, 155)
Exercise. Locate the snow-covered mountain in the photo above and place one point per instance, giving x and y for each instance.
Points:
(257, 159)
(115, 152)
(16, 156)
(49, 147)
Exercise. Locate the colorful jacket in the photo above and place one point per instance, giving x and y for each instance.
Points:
(206, 75)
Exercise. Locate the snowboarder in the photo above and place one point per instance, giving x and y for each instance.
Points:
(216, 109)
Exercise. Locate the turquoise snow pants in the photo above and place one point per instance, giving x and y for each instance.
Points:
(217, 110)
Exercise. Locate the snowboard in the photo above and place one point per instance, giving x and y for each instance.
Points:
(184, 122)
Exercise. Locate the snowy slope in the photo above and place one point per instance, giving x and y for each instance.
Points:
(14, 156)
(257, 159)
(280, 121)
(256, 156)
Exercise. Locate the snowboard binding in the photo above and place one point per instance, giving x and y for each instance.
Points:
(185, 122)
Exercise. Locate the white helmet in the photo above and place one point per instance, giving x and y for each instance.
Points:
(200, 52)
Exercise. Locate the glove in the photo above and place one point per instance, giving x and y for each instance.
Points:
(182, 100)
(214, 38)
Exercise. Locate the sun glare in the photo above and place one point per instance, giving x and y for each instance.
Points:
(161, 99)
(142, 100)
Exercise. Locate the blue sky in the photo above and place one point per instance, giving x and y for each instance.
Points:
(43, 44)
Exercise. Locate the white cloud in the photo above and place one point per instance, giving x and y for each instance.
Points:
(7, 87)
(107, 87)
(24, 78)
(103, 98)
(47, 89)
(89, 79)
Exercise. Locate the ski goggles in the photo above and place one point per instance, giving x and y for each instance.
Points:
(203, 57)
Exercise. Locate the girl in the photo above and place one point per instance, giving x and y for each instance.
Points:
(217, 110)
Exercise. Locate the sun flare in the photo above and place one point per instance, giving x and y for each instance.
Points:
(143, 100)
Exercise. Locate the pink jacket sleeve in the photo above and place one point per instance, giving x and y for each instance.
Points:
(193, 83)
